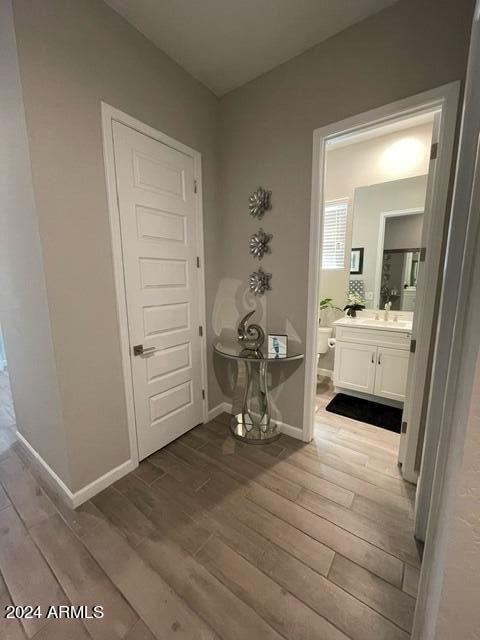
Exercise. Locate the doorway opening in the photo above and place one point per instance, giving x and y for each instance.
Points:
(380, 186)
(375, 187)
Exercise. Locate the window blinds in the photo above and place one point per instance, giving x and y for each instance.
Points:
(334, 231)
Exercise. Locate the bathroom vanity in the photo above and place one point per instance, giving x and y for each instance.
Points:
(371, 357)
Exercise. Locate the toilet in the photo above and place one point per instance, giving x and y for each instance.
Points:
(323, 336)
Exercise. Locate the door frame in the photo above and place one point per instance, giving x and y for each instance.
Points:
(381, 239)
(109, 115)
(445, 98)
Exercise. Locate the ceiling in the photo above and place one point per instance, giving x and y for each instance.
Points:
(226, 43)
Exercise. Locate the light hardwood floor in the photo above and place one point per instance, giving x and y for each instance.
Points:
(210, 538)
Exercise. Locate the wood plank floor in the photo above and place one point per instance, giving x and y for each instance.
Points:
(211, 538)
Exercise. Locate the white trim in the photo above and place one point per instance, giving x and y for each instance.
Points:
(223, 407)
(290, 430)
(328, 373)
(227, 407)
(381, 239)
(74, 499)
(287, 429)
(91, 489)
(425, 324)
(110, 114)
(446, 98)
(46, 471)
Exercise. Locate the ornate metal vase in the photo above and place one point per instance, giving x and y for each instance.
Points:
(251, 336)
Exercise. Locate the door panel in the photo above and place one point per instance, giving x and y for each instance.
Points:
(423, 320)
(391, 373)
(355, 366)
(159, 241)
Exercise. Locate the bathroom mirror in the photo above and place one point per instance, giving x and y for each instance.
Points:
(379, 232)
(399, 258)
(374, 196)
(399, 278)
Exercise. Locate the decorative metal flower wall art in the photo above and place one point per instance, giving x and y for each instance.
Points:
(259, 202)
(259, 282)
(259, 243)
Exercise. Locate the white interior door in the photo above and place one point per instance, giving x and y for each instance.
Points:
(423, 322)
(155, 187)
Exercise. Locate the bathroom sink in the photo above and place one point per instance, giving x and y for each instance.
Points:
(371, 323)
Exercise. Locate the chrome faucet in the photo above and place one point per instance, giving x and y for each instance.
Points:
(387, 308)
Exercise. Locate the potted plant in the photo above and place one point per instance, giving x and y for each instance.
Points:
(355, 303)
(324, 332)
(327, 303)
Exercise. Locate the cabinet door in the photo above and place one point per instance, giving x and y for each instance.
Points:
(355, 366)
(391, 373)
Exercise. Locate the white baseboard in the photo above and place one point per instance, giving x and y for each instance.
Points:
(47, 473)
(290, 430)
(223, 407)
(90, 490)
(287, 429)
(73, 498)
(328, 373)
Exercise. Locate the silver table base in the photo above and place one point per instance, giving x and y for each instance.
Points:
(251, 420)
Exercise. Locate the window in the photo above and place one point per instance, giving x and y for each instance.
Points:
(334, 231)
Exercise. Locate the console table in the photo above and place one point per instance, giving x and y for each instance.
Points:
(251, 421)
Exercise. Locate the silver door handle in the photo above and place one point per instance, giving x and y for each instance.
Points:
(140, 350)
(380, 358)
(373, 358)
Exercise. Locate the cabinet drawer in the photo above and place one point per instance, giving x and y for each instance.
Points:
(376, 337)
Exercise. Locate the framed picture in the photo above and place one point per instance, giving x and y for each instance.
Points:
(356, 261)
(277, 345)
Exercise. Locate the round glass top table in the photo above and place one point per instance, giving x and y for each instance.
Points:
(251, 421)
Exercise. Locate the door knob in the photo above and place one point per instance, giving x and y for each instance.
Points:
(139, 350)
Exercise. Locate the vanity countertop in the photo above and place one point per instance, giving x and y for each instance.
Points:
(370, 323)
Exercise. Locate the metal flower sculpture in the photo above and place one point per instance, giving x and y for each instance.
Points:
(259, 282)
(259, 244)
(259, 202)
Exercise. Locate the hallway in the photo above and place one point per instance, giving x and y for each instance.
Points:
(213, 538)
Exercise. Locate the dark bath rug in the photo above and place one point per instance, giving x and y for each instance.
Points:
(380, 415)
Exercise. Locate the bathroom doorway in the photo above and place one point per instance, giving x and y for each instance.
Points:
(380, 184)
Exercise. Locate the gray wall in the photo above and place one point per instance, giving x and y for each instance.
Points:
(24, 311)
(404, 232)
(73, 55)
(266, 135)
(459, 615)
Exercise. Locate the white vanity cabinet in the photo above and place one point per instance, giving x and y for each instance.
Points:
(371, 361)
(391, 373)
(354, 366)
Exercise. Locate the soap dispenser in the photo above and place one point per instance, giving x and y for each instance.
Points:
(387, 307)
